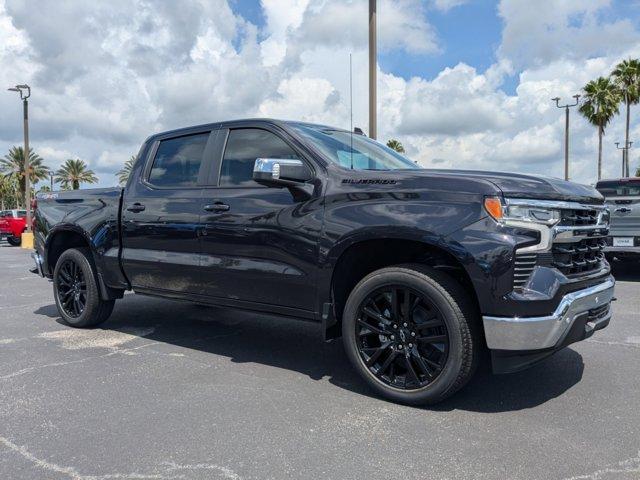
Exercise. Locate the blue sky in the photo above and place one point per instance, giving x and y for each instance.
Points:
(461, 83)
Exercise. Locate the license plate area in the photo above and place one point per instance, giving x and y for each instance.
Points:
(623, 241)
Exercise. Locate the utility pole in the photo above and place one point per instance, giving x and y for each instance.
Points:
(25, 93)
(373, 62)
(625, 156)
(566, 131)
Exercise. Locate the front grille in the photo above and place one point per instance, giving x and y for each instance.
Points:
(580, 258)
(578, 217)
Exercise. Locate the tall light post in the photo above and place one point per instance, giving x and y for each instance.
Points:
(566, 131)
(25, 93)
(373, 62)
(625, 155)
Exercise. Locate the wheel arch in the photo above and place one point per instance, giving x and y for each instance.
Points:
(356, 257)
(61, 238)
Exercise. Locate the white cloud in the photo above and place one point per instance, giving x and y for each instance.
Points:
(446, 5)
(535, 33)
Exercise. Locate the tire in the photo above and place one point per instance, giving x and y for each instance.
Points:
(434, 350)
(75, 289)
(14, 241)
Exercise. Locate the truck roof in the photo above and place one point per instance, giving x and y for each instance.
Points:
(273, 121)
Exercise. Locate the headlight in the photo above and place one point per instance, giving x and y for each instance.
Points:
(518, 212)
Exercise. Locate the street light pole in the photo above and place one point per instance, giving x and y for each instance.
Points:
(566, 131)
(25, 93)
(373, 61)
(625, 155)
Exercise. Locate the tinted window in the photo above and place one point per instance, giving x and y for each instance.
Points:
(22, 213)
(243, 147)
(619, 188)
(177, 161)
(5, 213)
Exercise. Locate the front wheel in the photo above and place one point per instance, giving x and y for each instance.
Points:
(14, 241)
(76, 292)
(410, 331)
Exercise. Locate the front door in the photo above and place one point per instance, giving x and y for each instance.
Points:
(161, 216)
(260, 244)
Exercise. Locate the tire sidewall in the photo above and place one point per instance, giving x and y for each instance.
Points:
(435, 390)
(14, 241)
(93, 300)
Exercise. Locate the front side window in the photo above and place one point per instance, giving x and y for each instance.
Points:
(243, 147)
(22, 213)
(177, 161)
(353, 151)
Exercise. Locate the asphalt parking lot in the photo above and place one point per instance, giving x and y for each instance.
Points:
(170, 390)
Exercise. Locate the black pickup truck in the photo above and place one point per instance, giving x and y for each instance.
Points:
(420, 271)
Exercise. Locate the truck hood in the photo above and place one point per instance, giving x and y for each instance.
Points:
(540, 187)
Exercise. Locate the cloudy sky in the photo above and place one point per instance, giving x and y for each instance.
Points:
(462, 83)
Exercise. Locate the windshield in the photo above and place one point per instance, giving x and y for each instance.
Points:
(366, 154)
(619, 188)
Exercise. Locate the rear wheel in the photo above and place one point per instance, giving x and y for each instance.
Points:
(76, 290)
(411, 333)
(14, 241)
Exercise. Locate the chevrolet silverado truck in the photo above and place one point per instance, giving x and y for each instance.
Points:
(622, 197)
(12, 224)
(419, 271)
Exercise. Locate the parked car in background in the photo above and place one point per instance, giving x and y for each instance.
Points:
(418, 270)
(12, 224)
(623, 199)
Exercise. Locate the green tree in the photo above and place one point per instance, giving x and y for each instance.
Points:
(601, 103)
(12, 167)
(73, 173)
(125, 171)
(9, 193)
(395, 145)
(626, 76)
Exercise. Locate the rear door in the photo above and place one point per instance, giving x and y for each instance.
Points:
(161, 214)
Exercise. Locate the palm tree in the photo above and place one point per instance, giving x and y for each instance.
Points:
(12, 167)
(626, 75)
(73, 173)
(601, 100)
(125, 171)
(395, 145)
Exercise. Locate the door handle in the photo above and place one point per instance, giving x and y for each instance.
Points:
(136, 208)
(217, 207)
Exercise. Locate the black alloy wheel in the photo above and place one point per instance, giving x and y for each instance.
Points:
(72, 288)
(76, 290)
(401, 337)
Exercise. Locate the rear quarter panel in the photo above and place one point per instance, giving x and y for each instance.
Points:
(94, 214)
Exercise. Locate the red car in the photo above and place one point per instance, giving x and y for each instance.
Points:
(12, 224)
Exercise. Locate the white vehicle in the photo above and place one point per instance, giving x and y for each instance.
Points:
(623, 199)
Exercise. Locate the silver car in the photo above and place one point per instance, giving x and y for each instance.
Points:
(623, 199)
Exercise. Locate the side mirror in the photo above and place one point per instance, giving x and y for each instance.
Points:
(280, 172)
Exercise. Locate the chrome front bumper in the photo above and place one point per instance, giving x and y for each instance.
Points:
(536, 333)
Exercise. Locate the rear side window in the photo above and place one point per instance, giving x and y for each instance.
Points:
(177, 161)
(619, 188)
(243, 147)
(22, 213)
